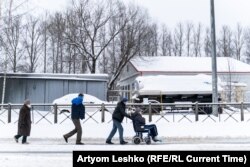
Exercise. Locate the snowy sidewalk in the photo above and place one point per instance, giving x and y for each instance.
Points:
(48, 148)
(59, 146)
(176, 136)
(44, 153)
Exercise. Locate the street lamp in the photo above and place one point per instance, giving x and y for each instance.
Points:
(214, 62)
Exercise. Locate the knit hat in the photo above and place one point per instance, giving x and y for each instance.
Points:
(124, 99)
(27, 102)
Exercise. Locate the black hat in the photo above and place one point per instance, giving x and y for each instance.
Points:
(80, 94)
(124, 99)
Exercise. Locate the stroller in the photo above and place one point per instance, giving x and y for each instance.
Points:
(138, 138)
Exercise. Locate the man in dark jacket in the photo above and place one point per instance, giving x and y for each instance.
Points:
(24, 123)
(117, 118)
(77, 113)
(140, 124)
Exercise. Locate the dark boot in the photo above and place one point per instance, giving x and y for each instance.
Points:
(79, 143)
(65, 138)
(155, 139)
(123, 142)
(15, 139)
(109, 142)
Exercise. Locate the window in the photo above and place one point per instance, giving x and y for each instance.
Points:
(133, 86)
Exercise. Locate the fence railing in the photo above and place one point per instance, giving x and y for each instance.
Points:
(154, 112)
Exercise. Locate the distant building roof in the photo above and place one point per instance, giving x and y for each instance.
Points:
(188, 64)
(57, 76)
(167, 85)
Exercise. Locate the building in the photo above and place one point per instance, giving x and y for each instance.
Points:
(44, 88)
(232, 73)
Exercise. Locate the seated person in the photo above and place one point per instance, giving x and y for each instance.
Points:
(139, 121)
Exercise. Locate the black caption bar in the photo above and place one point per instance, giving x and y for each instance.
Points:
(159, 158)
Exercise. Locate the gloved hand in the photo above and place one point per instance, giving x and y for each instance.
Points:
(129, 116)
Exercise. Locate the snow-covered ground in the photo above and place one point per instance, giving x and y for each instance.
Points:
(48, 148)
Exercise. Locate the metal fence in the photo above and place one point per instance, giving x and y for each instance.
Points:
(100, 113)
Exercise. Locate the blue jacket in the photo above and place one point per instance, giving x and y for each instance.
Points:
(77, 108)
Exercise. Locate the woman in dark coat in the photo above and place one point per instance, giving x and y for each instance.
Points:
(24, 123)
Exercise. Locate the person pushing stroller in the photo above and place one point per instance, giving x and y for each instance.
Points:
(139, 121)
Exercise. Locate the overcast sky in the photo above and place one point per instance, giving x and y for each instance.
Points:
(171, 12)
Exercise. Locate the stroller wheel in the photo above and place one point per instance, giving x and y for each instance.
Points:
(136, 140)
(147, 140)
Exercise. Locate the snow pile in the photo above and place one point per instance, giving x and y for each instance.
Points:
(188, 64)
(87, 99)
(162, 84)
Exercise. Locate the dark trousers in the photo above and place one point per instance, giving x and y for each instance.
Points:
(116, 125)
(78, 130)
(152, 129)
(24, 138)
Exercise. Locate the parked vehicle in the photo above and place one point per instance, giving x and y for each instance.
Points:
(181, 103)
(154, 108)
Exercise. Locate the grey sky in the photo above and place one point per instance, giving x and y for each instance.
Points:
(227, 12)
(171, 12)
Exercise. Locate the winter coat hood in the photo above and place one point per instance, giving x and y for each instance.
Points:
(78, 100)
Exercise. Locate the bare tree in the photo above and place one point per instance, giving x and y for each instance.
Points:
(197, 41)
(11, 41)
(32, 43)
(12, 28)
(45, 37)
(56, 29)
(103, 61)
(189, 28)
(175, 46)
(238, 41)
(247, 44)
(92, 18)
(155, 39)
(166, 41)
(75, 56)
(225, 42)
(207, 43)
(130, 41)
(179, 39)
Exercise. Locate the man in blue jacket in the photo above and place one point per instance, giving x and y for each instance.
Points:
(77, 113)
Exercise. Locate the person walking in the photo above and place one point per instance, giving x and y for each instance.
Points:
(24, 123)
(77, 113)
(117, 117)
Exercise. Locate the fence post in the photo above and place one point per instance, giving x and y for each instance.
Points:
(149, 112)
(242, 111)
(103, 113)
(9, 113)
(196, 112)
(55, 113)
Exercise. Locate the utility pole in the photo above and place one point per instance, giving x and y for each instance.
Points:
(5, 61)
(214, 62)
(0, 26)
